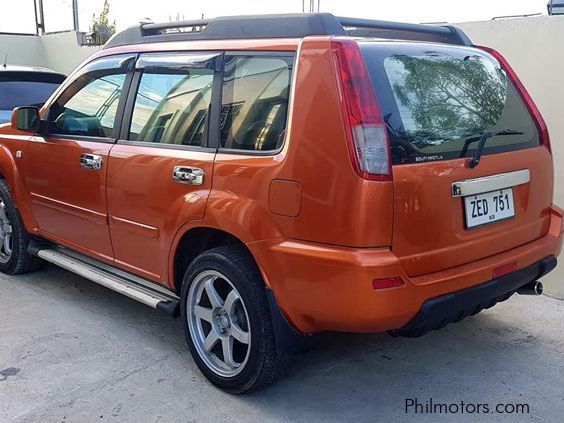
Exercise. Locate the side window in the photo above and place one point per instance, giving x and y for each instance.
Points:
(89, 105)
(255, 102)
(171, 106)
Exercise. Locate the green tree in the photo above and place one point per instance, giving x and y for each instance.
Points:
(101, 27)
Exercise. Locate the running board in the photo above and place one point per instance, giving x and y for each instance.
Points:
(157, 299)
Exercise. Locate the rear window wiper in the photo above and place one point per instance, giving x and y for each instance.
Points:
(483, 139)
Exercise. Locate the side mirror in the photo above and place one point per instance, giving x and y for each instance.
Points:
(26, 119)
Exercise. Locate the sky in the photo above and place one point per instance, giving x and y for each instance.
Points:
(19, 15)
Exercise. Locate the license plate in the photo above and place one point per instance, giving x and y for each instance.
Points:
(489, 207)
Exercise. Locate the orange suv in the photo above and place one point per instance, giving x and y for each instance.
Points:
(270, 177)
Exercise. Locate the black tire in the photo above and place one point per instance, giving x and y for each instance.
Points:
(19, 260)
(263, 361)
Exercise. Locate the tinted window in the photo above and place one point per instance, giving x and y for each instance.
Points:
(88, 106)
(171, 107)
(435, 98)
(24, 93)
(255, 102)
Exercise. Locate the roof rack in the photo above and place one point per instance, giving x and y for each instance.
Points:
(284, 26)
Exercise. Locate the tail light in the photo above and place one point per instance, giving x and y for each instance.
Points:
(367, 137)
(529, 103)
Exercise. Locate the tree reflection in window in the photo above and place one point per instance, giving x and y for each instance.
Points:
(442, 98)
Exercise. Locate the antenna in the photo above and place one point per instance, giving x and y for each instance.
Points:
(5, 61)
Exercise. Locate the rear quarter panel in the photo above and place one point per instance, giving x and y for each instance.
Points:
(336, 206)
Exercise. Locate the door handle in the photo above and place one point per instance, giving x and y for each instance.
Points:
(91, 161)
(188, 175)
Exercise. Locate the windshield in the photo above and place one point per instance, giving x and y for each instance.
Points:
(434, 98)
(23, 93)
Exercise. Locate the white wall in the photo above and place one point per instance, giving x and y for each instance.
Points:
(21, 50)
(534, 48)
(54, 44)
(60, 52)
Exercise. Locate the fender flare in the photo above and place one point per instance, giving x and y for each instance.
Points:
(184, 229)
(10, 173)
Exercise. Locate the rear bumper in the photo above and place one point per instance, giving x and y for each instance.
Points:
(321, 288)
(449, 308)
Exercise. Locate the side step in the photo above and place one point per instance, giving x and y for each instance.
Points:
(158, 298)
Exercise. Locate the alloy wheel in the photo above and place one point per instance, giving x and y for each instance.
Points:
(219, 323)
(5, 234)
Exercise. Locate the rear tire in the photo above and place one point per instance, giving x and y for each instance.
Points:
(227, 321)
(14, 239)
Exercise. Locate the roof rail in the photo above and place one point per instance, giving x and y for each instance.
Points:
(526, 15)
(283, 26)
(404, 31)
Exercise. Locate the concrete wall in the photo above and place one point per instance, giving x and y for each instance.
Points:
(60, 52)
(534, 48)
(21, 50)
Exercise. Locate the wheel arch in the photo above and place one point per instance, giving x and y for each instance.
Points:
(10, 173)
(194, 241)
(8, 168)
(198, 239)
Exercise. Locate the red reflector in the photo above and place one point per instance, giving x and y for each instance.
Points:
(504, 270)
(387, 283)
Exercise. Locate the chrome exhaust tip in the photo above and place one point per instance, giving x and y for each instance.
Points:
(533, 288)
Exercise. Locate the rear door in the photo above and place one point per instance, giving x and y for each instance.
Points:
(161, 168)
(437, 102)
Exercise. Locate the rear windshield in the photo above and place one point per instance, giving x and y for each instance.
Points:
(24, 93)
(18, 89)
(436, 100)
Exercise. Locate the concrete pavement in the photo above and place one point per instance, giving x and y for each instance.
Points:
(71, 351)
